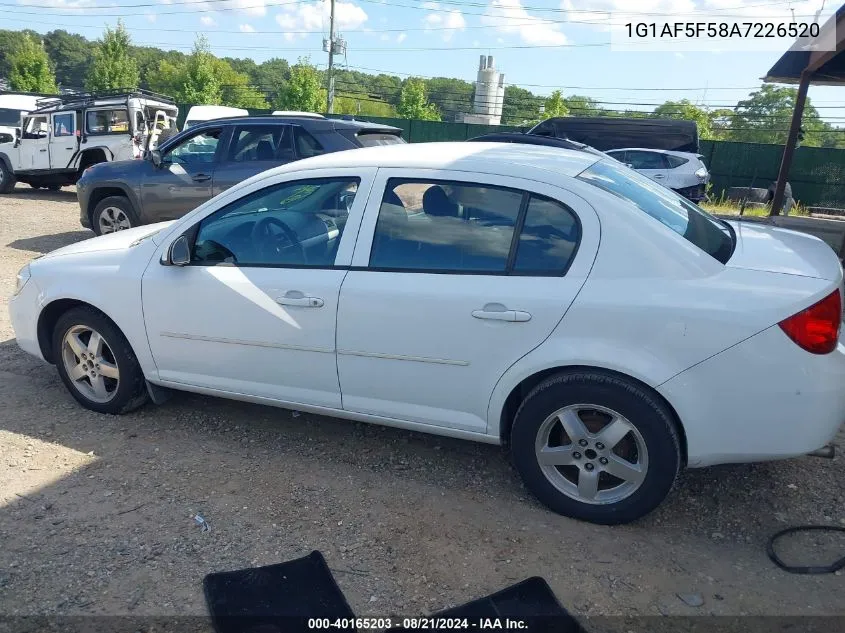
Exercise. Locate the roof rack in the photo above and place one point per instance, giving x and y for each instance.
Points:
(84, 98)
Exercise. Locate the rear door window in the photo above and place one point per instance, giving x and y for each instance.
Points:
(107, 121)
(645, 160)
(261, 143)
(675, 161)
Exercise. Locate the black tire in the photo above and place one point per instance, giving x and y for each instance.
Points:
(35, 185)
(131, 391)
(7, 179)
(119, 202)
(642, 409)
(53, 187)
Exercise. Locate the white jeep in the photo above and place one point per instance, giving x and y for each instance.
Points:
(67, 134)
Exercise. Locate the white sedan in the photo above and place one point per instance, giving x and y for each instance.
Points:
(605, 329)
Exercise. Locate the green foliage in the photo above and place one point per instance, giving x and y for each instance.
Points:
(413, 101)
(451, 96)
(362, 105)
(582, 106)
(554, 106)
(200, 83)
(303, 90)
(271, 77)
(687, 111)
(71, 55)
(30, 69)
(113, 66)
(521, 106)
(236, 89)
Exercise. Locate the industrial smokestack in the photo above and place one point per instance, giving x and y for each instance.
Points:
(489, 61)
(483, 63)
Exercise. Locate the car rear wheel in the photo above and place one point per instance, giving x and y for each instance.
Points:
(7, 179)
(54, 187)
(596, 447)
(112, 214)
(96, 362)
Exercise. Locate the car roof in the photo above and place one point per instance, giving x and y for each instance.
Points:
(205, 110)
(535, 162)
(308, 122)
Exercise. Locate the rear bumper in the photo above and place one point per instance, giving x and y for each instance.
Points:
(763, 399)
(694, 193)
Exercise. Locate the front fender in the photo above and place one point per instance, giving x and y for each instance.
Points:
(109, 281)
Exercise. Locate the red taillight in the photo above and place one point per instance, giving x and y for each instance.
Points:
(816, 329)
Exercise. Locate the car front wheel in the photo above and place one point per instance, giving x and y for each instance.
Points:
(596, 447)
(114, 213)
(96, 362)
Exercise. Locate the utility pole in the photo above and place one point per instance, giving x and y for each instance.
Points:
(330, 104)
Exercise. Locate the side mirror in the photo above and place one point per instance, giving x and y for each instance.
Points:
(179, 253)
(155, 157)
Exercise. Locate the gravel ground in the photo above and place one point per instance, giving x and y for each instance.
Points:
(95, 511)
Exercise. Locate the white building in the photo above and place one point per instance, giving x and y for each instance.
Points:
(489, 94)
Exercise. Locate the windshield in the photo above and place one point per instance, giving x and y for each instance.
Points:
(10, 117)
(371, 139)
(709, 234)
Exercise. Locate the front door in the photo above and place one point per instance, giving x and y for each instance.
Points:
(443, 297)
(64, 140)
(253, 149)
(183, 180)
(254, 312)
(35, 144)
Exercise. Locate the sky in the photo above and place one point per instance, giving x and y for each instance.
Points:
(542, 45)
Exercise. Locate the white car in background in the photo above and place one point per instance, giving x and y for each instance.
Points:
(13, 107)
(682, 172)
(604, 328)
(200, 113)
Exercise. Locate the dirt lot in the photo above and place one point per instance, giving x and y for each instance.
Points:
(95, 511)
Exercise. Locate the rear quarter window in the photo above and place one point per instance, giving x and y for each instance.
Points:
(675, 161)
(372, 139)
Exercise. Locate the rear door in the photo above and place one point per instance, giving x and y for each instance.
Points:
(183, 180)
(251, 150)
(63, 140)
(442, 297)
(680, 172)
(651, 164)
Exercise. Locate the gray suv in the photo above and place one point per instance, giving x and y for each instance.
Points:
(208, 158)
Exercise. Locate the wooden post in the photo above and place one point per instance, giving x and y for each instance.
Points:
(791, 142)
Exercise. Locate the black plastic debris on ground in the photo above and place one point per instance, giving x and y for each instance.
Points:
(530, 604)
(283, 598)
(276, 598)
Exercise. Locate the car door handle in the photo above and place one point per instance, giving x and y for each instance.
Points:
(498, 312)
(42, 150)
(296, 298)
(201, 178)
(659, 176)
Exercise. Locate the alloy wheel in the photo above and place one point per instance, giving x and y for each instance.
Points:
(90, 364)
(591, 454)
(113, 219)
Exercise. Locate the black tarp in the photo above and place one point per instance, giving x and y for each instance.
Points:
(606, 133)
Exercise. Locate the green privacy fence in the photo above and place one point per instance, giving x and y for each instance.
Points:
(817, 175)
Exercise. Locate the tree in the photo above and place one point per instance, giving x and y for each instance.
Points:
(582, 106)
(200, 83)
(236, 90)
(765, 117)
(271, 77)
(30, 67)
(451, 96)
(303, 91)
(363, 105)
(554, 106)
(688, 111)
(413, 102)
(71, 56)
(521, 106)
(113, 66)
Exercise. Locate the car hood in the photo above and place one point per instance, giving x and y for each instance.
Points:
(121, 240)
(772, 249)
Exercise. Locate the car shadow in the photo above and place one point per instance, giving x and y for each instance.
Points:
(25, 192)
(47, 243)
